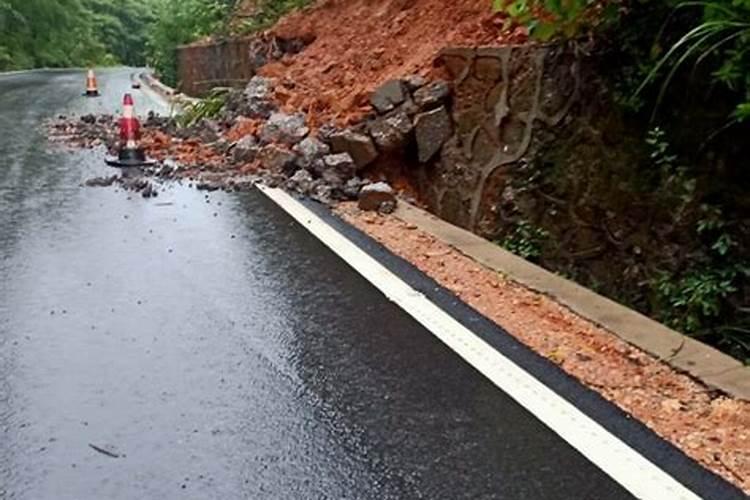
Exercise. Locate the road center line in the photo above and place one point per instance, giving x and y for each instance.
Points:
(630, 469)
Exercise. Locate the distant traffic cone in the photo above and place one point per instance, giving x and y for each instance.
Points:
(130, 153)
(91, 88)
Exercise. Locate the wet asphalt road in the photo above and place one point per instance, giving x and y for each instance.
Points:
(220, 351)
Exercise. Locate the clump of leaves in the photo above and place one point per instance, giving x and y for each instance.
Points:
(548, 19)
(525, 240)
(269, 11)
(700, 300)
(723, 37)
(206, 108)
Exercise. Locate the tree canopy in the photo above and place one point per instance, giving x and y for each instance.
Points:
(58, 33)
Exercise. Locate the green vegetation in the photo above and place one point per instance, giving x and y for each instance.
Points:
(525, 240)
(680, 71)
(208, 107)
(269, 11)
(59, 33)
(178, 22)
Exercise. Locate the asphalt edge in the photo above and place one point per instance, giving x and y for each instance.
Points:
(633, 432)
(709, 366)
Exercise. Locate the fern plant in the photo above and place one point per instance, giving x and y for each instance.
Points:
(722, 35)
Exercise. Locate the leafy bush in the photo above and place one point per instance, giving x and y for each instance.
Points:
(208, 107)
(525, 240)
(721, 37)
(547, 19)
(178, 22)
(269, 11)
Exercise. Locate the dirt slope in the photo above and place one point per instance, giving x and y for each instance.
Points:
(360, 44)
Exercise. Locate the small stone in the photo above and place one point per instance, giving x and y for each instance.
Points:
(257, 98)
(373, 196)
(276, 158)
(415, 82)
(309, 150)
(432, 95)
(302, 181)
(207, 131)
(359, 146)
(351, 188)
(341, 162)
(284, 128)
(389, 95)
(433, 128)
(323, 194)
(326, 131)
(245, 150)
(101, 181)
(392, 132)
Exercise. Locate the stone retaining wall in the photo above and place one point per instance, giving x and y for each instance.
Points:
(228, 63)
(507, 101)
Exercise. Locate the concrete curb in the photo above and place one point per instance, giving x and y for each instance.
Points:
(713, 368)
(166, 92)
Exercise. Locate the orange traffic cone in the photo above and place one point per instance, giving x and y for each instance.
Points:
(130, 154)
(91, 88)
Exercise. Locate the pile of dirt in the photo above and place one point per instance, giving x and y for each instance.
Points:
(360, 44)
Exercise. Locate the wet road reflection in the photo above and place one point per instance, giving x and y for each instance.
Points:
(219, 351)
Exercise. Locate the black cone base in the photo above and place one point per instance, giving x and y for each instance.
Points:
(130, 158)
(91, 93)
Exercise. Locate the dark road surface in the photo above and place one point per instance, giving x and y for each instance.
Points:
(221, 352)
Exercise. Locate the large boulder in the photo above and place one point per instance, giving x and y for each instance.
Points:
(433, 128)
(389, 95)
(432, 95)
(391, 132)
(377, 196)
(359, 146)
(284, 128)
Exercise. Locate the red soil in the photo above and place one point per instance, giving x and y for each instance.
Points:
(360, 44)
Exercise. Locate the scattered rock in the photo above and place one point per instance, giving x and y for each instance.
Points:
(323, 193)
(101, 181)
(433, 128)
(432, 95)
(276, 158)
(284, 128)
(149, 191)
(245, 150)
(341, 163)
(302, 181)
(373, 196)
(257, 98)
(90, 119)
(208, 130)
(326, 131)
(359, 146)
(351, 189)
(391, 133)
(389, 95)
(309, 150)
(414, 82)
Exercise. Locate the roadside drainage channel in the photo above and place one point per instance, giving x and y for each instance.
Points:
(623, 447)
(702, 362)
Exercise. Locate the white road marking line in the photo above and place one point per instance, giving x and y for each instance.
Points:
(630, 469)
